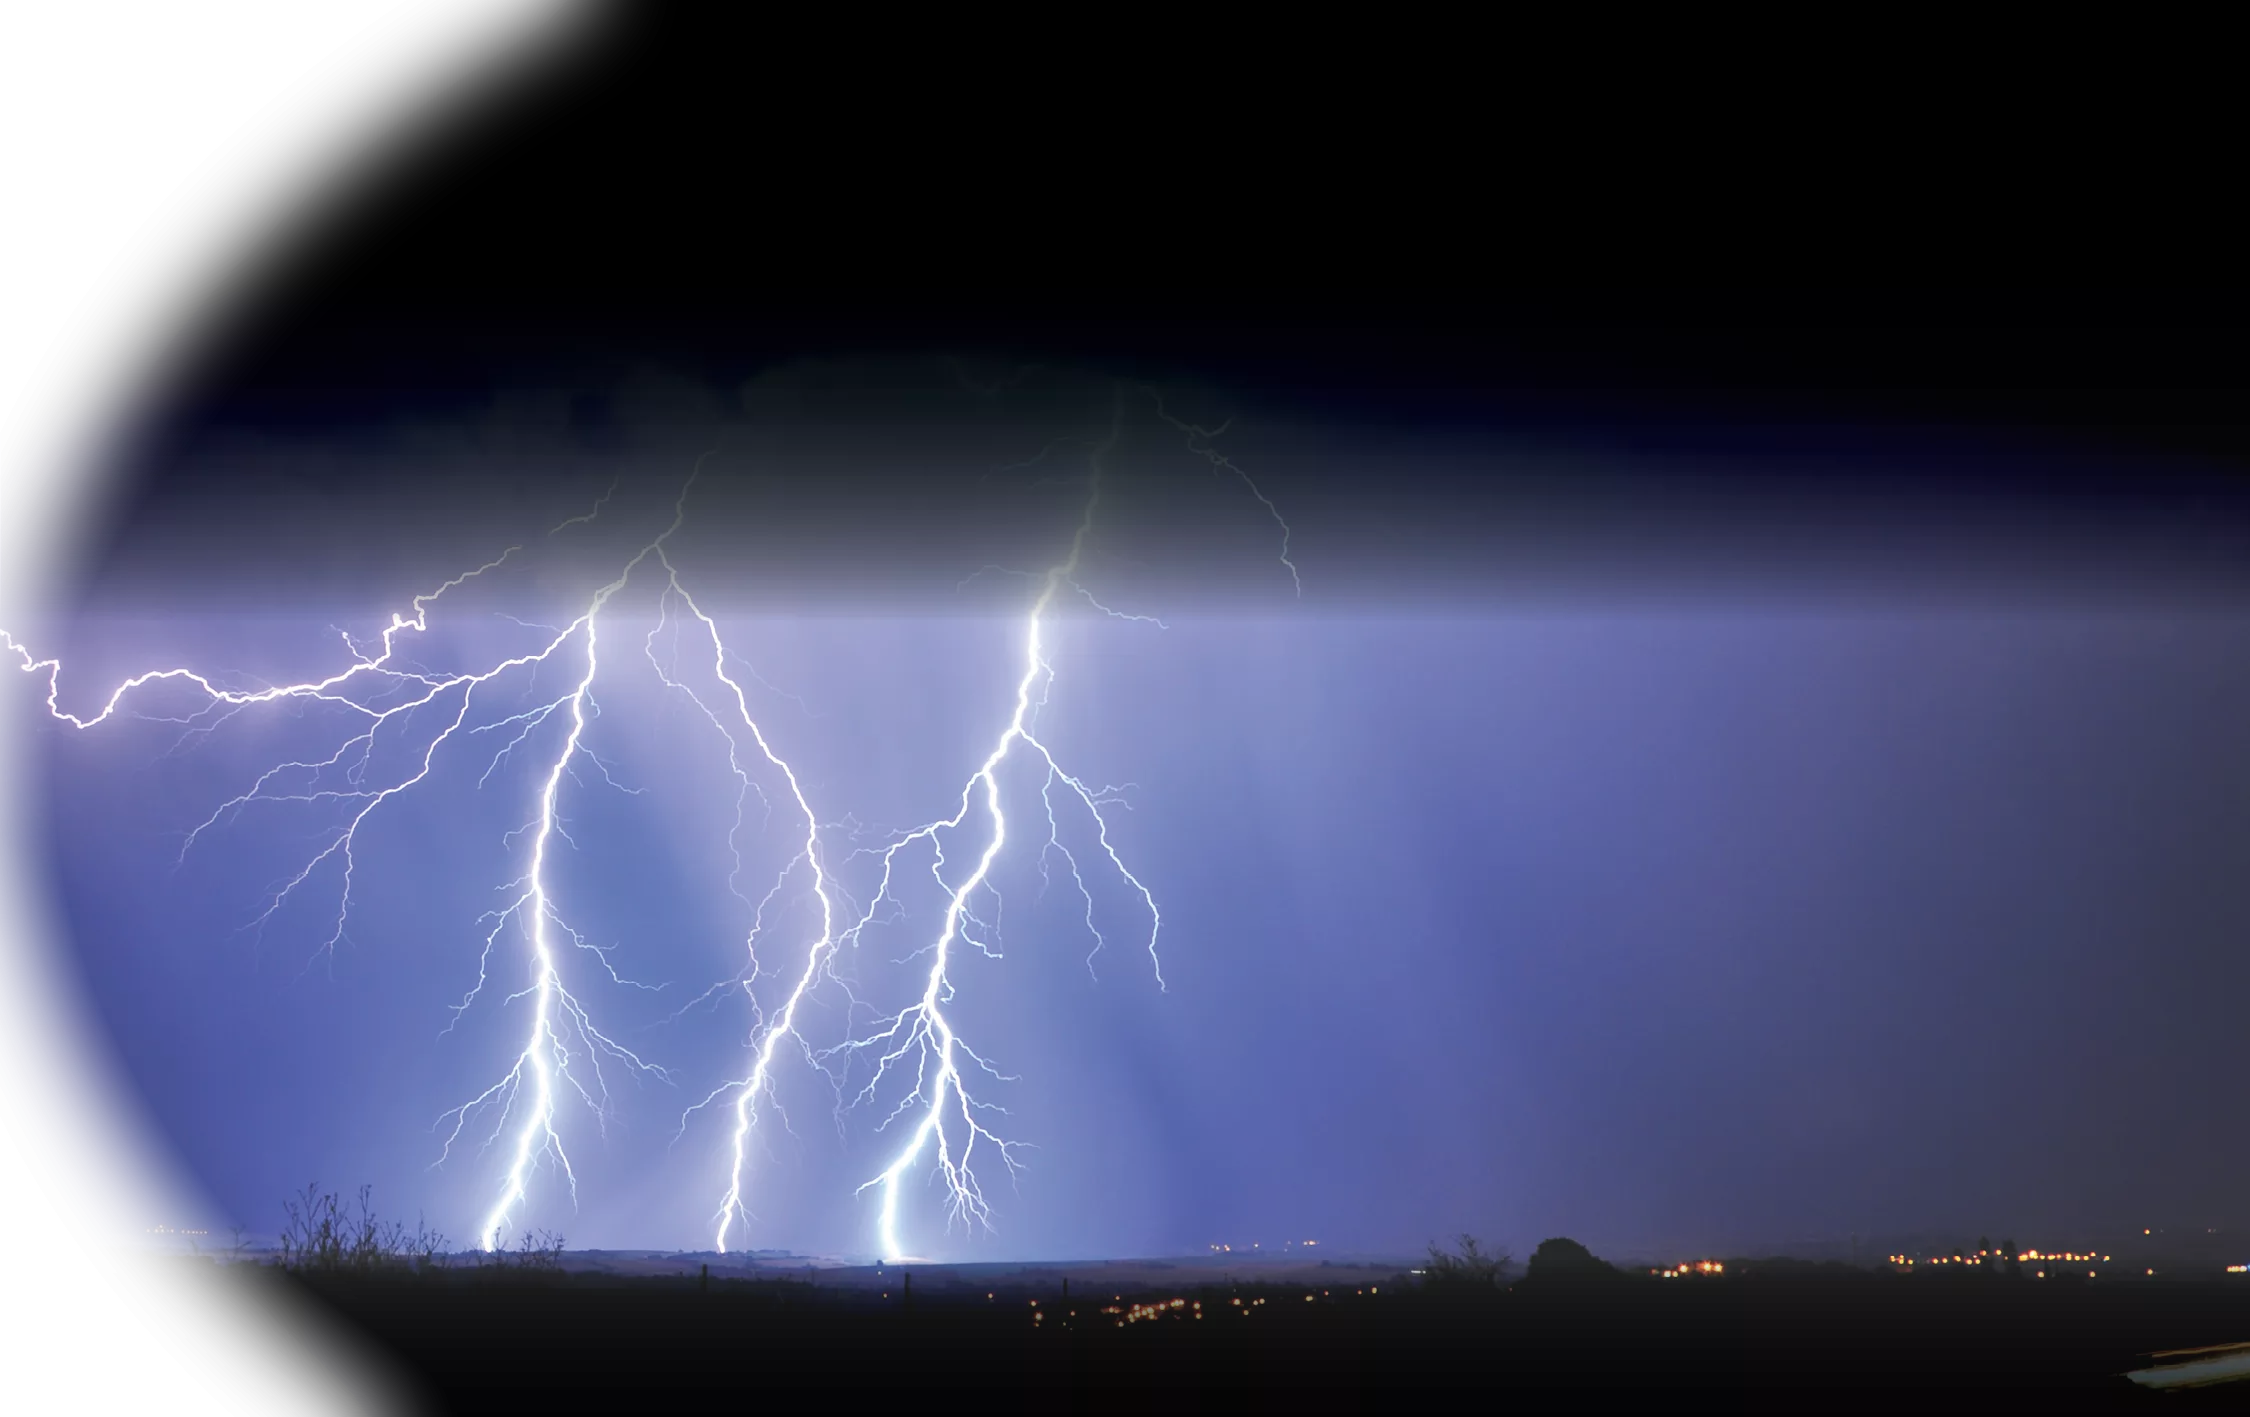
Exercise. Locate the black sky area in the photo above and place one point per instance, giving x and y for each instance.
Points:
(2062, 444)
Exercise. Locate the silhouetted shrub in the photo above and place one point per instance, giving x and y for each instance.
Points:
(1565, 1261)
(1465, 1269)
(320, 1238)
(540, 1252)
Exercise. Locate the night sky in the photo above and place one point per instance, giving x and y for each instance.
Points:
(1744, 763)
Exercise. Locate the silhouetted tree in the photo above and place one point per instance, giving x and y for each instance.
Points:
(1565, 1261)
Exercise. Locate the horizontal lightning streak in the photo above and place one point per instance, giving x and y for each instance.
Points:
(917, 1047)
(561, 1030)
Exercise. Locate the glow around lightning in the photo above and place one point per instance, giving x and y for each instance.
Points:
(547, 1054)
(911, 1059)
(563, 1046)
(920, 1041)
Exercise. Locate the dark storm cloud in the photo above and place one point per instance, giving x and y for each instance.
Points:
(1569, 446)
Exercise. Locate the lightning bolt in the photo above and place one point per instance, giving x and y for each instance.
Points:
(557, 1016)
(563, 1047)
(919, 1044)
(1199, 442)
(758, 1086)
(391, 707)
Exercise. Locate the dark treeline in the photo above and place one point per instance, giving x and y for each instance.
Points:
(1781, 1338)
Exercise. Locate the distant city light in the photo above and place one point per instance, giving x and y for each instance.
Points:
(1990, 1256)
(1687, 1267)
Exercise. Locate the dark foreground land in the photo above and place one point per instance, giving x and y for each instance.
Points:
(1791, 1344)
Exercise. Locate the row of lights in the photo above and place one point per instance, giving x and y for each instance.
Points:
(1982, 1256)
(1685, 1268)
(1161, 1307)
(1156, 1310)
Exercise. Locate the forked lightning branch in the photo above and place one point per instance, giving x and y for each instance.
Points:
(401, 724)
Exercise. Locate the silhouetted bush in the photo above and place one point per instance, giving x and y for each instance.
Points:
(1561, 1261)
(324, 1240)
(1465, 1269)
(539, 1253)
(320, 1238)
